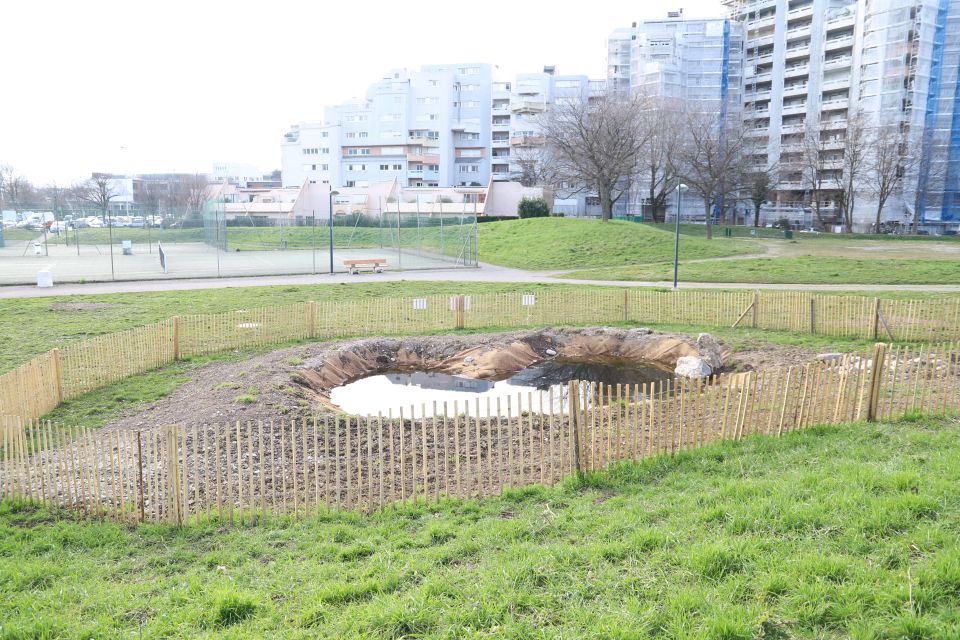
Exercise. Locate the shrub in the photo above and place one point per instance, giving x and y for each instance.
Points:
(533, 208)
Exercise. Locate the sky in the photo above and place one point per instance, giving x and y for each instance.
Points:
(146, 87)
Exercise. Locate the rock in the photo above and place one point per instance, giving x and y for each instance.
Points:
(550, 352)
(710, 351)
(830, 357)
(693, 367)
(469, 360)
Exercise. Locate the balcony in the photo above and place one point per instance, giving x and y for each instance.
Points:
(840, 22)
(799, 32)
(755, 96)
(838, 83)
(424, 158)
(833, 145)
(501, 159)
(761, 23)
(500, 142)
(837, 63)
(528, 106)
(797, 51)
(762, 41)
(800, 12)
(795, 90)
(424, 141)
(527, 141)
(414, 173)
(791, 147)
(835, 104)
(758, 59)
(839, 43)
(790, 185)
(831, 125)
(793, 128)
(793, 109)
(796, 71)
(758, 132)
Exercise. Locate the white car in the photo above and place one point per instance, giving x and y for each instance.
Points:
(94, 222)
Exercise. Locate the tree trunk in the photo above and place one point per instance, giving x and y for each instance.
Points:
(756, 215)
(876, 228)
(606, 205)
(709, 221)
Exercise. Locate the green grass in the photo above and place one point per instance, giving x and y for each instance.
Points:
(36, 325)
(20, 235)
(848, 532)
(744, 231)
(567, 243)
(799, 270)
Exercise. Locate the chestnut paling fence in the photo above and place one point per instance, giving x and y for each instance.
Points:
(40, 385)
(188, 473)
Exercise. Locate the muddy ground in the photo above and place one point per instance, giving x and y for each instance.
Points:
(273, 386)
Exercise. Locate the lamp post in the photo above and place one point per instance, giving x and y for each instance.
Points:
(332, 193)
(676, 242)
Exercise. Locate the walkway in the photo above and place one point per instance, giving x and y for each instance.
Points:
(487, 273)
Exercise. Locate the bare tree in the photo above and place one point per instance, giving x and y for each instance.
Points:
(813, 166)
(711, 160)
(662, 123)
(15, 190)
(889, 163)
(759, 184)
(536, 169)
(854, 164)
(596, 144)
(98, 191)
(192, 192)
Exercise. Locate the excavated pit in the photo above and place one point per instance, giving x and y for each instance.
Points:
(370, 376)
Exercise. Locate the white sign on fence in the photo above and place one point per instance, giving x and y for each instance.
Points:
(453, 303)
(528, 300)
(419, 304)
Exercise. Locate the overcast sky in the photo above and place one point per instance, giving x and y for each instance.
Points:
(176, 85)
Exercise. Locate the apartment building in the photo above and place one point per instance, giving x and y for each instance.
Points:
(696, 62)
(812, 65)
(424, 128)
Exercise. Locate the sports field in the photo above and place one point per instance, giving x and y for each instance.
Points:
(20, 263)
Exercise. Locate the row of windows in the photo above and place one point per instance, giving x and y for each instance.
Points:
(313, 167)
(312, 151)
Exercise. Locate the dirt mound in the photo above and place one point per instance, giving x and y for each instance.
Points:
(295, 382)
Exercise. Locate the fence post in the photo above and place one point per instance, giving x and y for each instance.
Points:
(876, 375)
(140, 477)
(57, 374)
(574, 393)
(312, 319)
(813, 315)
(876, 318)
(176, 337)
(756, 307)
(626, 315)
(461, 311)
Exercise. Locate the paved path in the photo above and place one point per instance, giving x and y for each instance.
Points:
(486, 273)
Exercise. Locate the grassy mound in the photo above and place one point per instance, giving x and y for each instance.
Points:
(833, 532)
(799, 270)
(567, 243)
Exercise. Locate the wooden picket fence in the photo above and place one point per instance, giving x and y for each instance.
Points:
(189, 473)
(40, 385)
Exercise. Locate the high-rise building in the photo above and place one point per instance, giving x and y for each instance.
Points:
(812, 66)
(424, 128)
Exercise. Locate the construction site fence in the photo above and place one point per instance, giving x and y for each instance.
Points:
(185, 474)
(39, 386)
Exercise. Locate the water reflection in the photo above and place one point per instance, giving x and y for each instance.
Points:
(542, 385)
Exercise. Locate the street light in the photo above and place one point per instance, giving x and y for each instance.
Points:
(676, 242)
(332, 193)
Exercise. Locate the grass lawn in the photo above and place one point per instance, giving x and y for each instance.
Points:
(20, 235)
(830, 533)
(34, 325)
(566, 243)
(799, 270)
(741, 231)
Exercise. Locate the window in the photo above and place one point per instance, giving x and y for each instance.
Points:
(391, 117)
(384, 167)
(433, 167)
(325, 134)
(350, 135)
(310, 151)
(324, 167)
(364, 152)
(325, 151)
(363, 134)
(469, 168)
(351, 183)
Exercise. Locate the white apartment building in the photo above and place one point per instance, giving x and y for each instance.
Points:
(425, 128)
(811, 64)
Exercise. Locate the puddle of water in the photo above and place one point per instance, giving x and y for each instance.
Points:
(390, 391)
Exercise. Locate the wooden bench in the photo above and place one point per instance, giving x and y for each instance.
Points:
(373, 264)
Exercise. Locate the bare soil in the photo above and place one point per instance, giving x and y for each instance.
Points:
(284, 385)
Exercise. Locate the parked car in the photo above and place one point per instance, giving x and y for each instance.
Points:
(138, 222)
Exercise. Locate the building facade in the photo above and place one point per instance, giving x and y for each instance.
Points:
(424, 128)
(813, 67)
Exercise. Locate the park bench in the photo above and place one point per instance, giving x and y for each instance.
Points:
(373, 264)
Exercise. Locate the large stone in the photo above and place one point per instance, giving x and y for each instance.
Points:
(693, 367)
(830, 357)
(710, 351)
